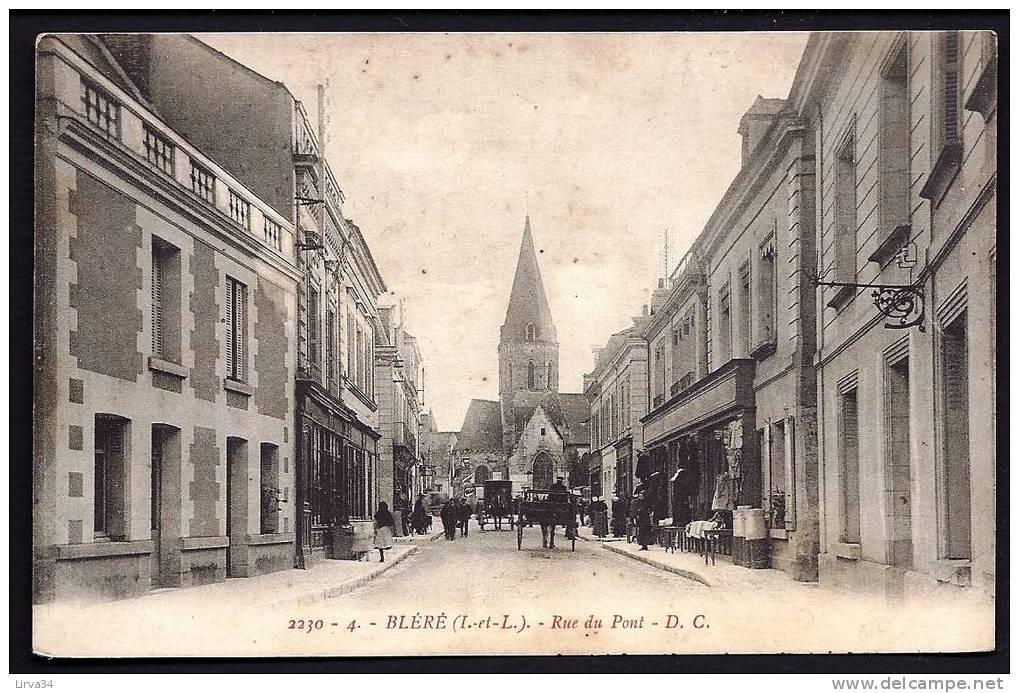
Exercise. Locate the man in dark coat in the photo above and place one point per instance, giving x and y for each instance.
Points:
(448, 517)
(463, 517)
(643, 517)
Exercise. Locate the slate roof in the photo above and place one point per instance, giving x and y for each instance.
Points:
(528, 303)
(482, 426)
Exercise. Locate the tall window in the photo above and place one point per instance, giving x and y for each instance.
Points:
(724, 337)
(531, 332)
(109, 475)
(330, 337)
(530, 375)
(236, 329)
(845, 213)
(101, 109)
(894, 151)
(849, 467)
(158, 291)
(166, 306)
(897, 464)
(351, 356)
(946, 88)
(955, 449)
(768, 290)
(314, 345)
(745, 312)
(548, 376)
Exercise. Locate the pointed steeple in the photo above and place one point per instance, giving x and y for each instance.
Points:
(528, 306)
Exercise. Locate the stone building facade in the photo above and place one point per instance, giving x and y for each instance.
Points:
(905, 129)
(731, 342)
(272, 143)
(165, 309)
(616, 390)
(398, 373)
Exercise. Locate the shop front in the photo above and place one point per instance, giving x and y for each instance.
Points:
(702, 471)
(336, 460)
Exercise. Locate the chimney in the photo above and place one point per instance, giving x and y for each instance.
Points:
(659, 295)
(754, 124)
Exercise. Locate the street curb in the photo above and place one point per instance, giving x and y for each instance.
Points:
(602, 540)
(344, 587)
(689, 574)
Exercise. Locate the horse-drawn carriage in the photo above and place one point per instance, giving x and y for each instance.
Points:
(497, 504)
(547, 509)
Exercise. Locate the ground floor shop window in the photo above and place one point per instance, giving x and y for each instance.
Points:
(773, 460)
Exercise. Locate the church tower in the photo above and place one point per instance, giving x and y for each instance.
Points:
(528, 346)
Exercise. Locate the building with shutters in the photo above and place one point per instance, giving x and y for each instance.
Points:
(905, 130)
(273, 143)
(165, 315)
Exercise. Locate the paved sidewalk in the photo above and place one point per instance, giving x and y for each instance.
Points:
(723, 575)
(284, 588)
(415, 539)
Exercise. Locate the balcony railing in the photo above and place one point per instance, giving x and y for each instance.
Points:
(103, 107)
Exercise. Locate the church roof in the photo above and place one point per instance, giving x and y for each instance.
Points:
(528, 303)
(568, 412)
(482, 426)
(573, 413)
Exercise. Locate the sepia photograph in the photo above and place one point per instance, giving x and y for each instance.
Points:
(459, 343)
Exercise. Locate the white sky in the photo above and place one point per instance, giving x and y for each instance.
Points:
(442, 142)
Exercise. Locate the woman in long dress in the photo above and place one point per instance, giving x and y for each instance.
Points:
(384, 525)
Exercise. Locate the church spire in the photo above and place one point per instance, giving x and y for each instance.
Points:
(528, 317)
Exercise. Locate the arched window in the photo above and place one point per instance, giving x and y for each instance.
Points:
(548, 376)
(532, 332)
(530, 375)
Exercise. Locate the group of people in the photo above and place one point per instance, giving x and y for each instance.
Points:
(637, 508)
(455, 514)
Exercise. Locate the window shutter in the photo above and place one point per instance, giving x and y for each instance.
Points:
(240, 331)
(951, 86)
(157, 304)
(230, 290)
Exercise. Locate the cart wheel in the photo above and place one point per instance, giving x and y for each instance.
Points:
(520, 535)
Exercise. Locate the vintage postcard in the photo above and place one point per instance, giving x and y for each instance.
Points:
(417, 343)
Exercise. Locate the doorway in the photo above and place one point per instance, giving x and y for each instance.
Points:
(164, 510)
(542, 471)
(236, 504)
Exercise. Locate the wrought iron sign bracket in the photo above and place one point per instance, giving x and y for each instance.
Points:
(308, 201)
(901, 303)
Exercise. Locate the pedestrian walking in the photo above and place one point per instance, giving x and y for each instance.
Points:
(464, 517)
(643, 516)
(448, 517)
(419, 516)
(384, 526)
(581, 507)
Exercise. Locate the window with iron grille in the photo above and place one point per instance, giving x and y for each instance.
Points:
(273, 234)
(101, 109)
(159, 151)
(240, 210)
(236, 328)
(203, 183)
